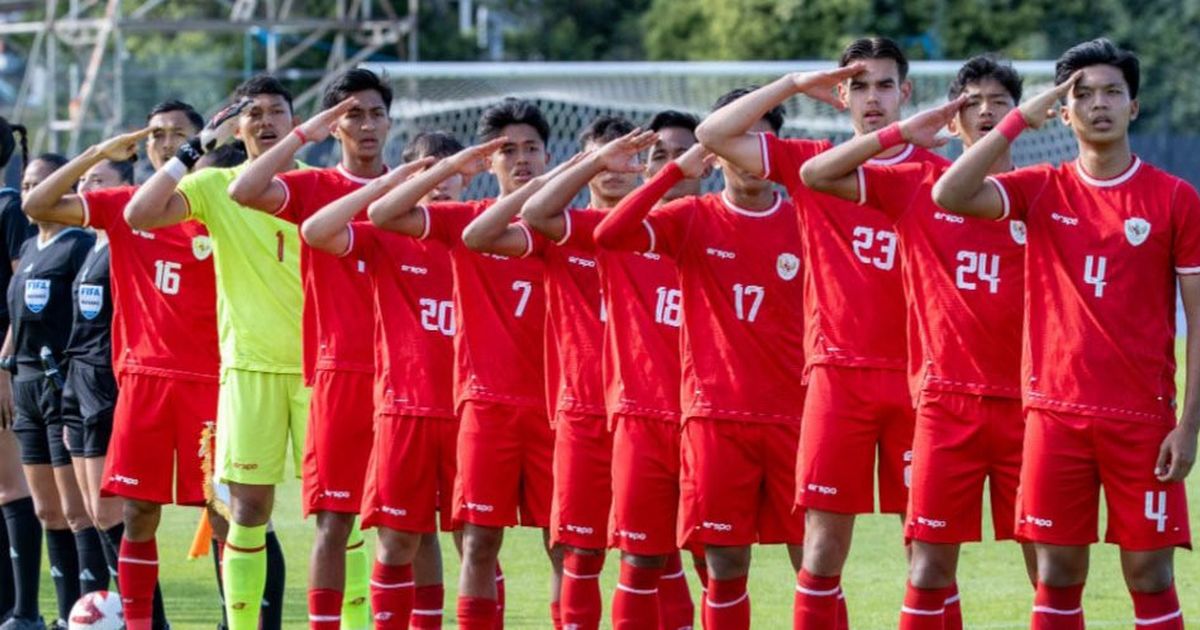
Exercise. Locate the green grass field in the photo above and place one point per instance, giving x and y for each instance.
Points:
(995, 590)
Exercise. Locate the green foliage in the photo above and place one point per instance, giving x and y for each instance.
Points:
(578, 30)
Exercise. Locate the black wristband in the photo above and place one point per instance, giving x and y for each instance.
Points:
(190, 152)
(9, 363)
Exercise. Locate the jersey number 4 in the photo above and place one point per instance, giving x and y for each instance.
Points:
(166, 276)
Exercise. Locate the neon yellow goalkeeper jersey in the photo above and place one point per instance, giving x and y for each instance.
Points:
(257, 261)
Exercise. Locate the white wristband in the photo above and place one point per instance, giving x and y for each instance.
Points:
(175, 169)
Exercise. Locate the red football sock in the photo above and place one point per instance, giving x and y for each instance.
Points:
(843, 614)
(581, 606)
(427, 607)
(636, 599)
(137, 574)
(391, 595)
(675, 608)
(923, 609)
(556, 615)
(816, 605)
(1157, 611)
(324, 609)
(1058, 608)
(476, 613)
(499, 597)
(728, 605)
(953, 609)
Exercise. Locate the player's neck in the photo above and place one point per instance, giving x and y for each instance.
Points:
(601, 202)
(365, 167)
(751, 201)
(47, 230)
(1105, 161)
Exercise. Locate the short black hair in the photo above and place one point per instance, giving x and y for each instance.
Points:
(55, 160)
(674, 118)
(435, 144)
(263, 84)
(511, 111)
(226, 156)
(176, 105)
(774, 116)
(987, 66)
(124, 169)
(604, 129)
(1096, 53)
(875, 48)
(8, 142)
(355, 80)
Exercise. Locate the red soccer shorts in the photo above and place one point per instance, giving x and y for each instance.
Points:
(850, 416)
(1069, 457)
(961, 440)
(412, 465)
(737, 482)
(157, 428)
(583, 453)
(505, 453)
(645, 482)
(337, 446)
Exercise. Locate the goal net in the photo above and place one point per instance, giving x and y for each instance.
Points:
(450, 97)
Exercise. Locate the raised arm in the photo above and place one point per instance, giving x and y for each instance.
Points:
(256, 186)
(494, 232)
(544, 209)
(623, 228)
(726, 131)
(52, 199)
(835, 171)
(326, 230)
(398, 209)
(963, 188)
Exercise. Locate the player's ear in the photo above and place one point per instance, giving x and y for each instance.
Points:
(1064, 114)
(905, 91)
(1134, 108)
(843, 90)
(708, 170)
(955, 127)
(296, 121)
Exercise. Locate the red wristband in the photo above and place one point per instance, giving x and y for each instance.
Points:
(890, 136)
(1012, 125)
(300, 134)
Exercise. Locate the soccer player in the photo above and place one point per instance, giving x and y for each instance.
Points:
(1110, 237)
(965, 283)
(21, 534)
(262, 401)
(638, 375)
(858, 403)
(575, 317)
(738, 255)
(505, 444)
(164, 352)
(676, 134)
(338, 357)
(39, 301)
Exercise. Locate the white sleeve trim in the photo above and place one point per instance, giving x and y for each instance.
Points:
(528, 239)
(764, 154)
(862, 185)
(87, 211)
(287, 196)
(428, 224)
(1003, 198)
(1187, 271)
(567, 231)
(653, 238)
(349, 243)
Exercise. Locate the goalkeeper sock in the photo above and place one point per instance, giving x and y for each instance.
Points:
(245, 574)
(356, 611)
(272, 599)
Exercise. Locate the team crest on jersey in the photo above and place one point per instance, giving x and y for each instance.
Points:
(201, 247)
(787, 265)
(1137, 230)
(91, 300)
(1017, 229)
(37, 294)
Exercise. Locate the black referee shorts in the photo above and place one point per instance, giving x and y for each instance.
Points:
(39, 423)
(89, 397)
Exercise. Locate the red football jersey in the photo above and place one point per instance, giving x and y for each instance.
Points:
(964, 280)
(500, 304)
(575, 319)
(337, 290)
(414, 321)
(1100, 276)
(643, 312)
(164, 292)
(743, 307)
(852, 284)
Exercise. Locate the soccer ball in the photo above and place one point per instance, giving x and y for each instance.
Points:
(98, 610)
